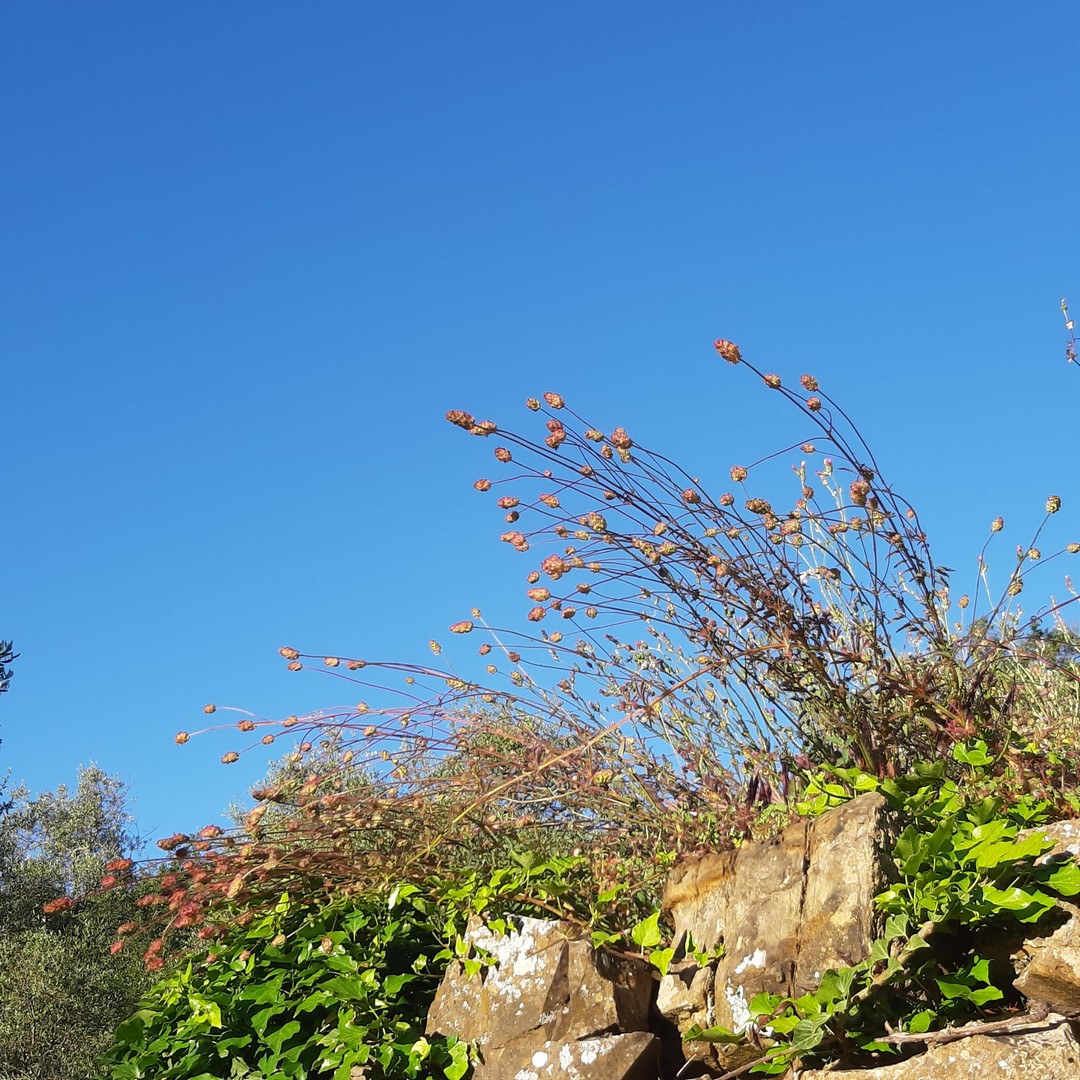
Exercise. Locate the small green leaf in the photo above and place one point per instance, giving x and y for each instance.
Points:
(806, 1035)
(647, 932)
(1065, 879)
(715, 1034)
(661, 959)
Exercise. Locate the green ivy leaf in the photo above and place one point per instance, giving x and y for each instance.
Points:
(1065, 879)
(647, 932)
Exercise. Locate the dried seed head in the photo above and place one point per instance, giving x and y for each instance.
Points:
(771, 381)
(556, 439)
(738, 474)
(1016, 586)
(593, 435)
(997, 524)
(550, 501)
(294, 666)
(537, 613)
(809, 383)
(331, 661)
(246, 725)
(355, 665)
(1034, 554)
(1053, 504)
(460, 419)
(1072, 549)
(532, 404)
(289, 654)
(209, 708)
(758, 506)
(554, 400)
(502, 454)
(435, 647)
(463, 627)
(963, 601)
(507, 502)
(813, 404)
(230, 757)
(516, 540)
(728, 350)
(482, 485)
(483, 427)
(620, 440)
(727, 499)
(691, 497)
(807, 448)
(555, 566)
(539, 595)
(533, 577)
(181, 737)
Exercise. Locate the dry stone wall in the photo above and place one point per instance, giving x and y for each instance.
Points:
(553, 1008)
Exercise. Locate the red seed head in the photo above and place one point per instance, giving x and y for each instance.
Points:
(728, 350)
(460, 419)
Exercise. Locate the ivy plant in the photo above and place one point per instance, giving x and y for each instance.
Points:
(304, 992)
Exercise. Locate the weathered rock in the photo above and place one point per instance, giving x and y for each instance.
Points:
(1052, 1053)
(550, 1006)
(1052, 974)
(629, 1056)
(786, 910)
(1064, 834)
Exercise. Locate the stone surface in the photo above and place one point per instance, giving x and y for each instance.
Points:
(1052, 973)
(550, 999)
(786, 910)
(1064, 834)
(1052, 1053)
(629, 1056)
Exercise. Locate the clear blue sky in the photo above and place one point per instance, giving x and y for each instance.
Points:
(253, 251)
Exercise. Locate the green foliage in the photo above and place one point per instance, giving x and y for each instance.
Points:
(7, 654)
(301, 992)
(61, 991)
(962, 868)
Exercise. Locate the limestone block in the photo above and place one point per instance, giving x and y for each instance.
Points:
(1064, 834)
(628, 1056)
(526, 990)
(786, 910)
(605, 993)
(551, 1006)
(1051, 1053)
(1053, 973)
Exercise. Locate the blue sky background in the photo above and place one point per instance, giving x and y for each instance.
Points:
(253, 252)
